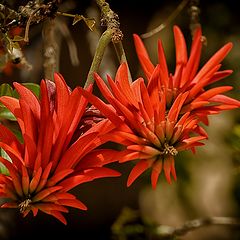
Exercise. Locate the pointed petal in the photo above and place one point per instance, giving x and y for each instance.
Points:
(156, 170)
(45, 192)
(138, 169)
(181, 48)
(58, 177)
(143, 57)
(28, 96)
(73, 203)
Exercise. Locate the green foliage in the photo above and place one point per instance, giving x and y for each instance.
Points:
(3, 169)
(7, 90)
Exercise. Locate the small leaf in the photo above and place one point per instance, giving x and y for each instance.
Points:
(6, 90)
(17, 38)
(3, 169)
(5, 155)
(90, 22)
(15, 45)
(77, 18)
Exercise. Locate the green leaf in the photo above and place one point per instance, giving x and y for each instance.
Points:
(17, 38)
(6, 114)
(90, 22)
(6, 90)
(77, 18)
(3, 169)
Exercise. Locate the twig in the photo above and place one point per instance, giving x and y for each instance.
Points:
(26, 38)
(167, 21)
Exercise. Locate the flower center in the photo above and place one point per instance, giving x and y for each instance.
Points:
(169, 150)
(25, 205)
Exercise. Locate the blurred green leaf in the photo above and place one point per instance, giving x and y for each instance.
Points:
(17, 38)
(90, 22)
(3, 169)
(6, 90)
(6, 114)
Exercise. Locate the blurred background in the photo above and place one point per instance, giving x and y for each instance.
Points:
(208, 182)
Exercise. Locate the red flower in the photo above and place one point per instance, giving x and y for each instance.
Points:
(199, 101)
(49, 163)
(150, 131)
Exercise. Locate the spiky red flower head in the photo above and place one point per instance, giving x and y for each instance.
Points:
(149, 131)
(188, 77)
(49, 163)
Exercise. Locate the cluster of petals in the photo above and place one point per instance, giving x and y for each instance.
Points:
(51, 159)
(188, 76)
(151, 133)
(161, 116)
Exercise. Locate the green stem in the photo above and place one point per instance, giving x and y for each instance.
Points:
(102, 44)
(122, 56)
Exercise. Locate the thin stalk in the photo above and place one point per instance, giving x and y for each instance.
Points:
(104, 40)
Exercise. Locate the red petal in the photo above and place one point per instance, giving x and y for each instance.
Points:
(35, 181)
(138, 169)
(14, 175)
(156, 170)
(62, 96)
(213, 61)
(181, 48)
(104, 108)
(58, 177)
(143, 57)
(72, 203)
(45, 192)
(29, 97)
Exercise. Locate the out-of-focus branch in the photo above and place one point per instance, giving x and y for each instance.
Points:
(50, 49)
(194, 12)
(167, 231)
(129, 224)
(171, 17)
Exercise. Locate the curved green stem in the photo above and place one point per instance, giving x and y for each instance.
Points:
(102, 44)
